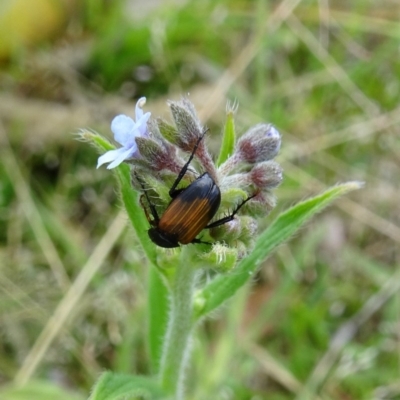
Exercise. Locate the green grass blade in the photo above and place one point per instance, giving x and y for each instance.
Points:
(223, 287)
(112, 386)
(228, 139)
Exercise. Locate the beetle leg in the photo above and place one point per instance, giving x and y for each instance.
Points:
(200, 241)
(230, 217)
(153, 210)
(173, 192)
(152, 221)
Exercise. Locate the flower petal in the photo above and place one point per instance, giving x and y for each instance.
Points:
(138, 109)
(125, 130)
(110, 156)
(122, 127)
(141, 124)
(124, 155)
(272, 132)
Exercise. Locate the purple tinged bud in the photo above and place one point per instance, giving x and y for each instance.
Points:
(266, 175)
(157, 152)
(153, 153)
(241, 181)
(260, 143)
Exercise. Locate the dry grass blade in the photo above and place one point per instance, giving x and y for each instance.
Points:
(275, 370)
(61, 315)
(356, 131)
(246, 56)
(332, 66)
(381, 26)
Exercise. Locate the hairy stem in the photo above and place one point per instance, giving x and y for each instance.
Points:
(177, 341)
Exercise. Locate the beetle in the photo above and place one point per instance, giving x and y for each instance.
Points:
(190, 210)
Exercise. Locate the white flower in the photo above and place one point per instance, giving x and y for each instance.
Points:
(125, 131)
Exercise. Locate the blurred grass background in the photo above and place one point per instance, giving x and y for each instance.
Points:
(321, 320)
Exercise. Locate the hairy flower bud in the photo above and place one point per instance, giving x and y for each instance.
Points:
(260, 143)
(188, 127)
(227, 232)
(249, 227)
(157, 153)
(167, 130)
(262, 204)
(221, 257)
(266, 175)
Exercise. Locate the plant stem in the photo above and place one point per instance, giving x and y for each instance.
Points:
(177, 340)
(158, 310)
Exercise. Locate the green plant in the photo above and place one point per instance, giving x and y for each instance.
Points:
(149, 146)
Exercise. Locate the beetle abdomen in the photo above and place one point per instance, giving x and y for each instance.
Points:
(191, 210)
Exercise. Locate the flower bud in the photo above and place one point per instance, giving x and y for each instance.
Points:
(242, 249)
(260, 143)
(167, 130)
(261, 205)
(221, 257)
(188, 126)
(240, 181)
(266, 175)
(249, 227)
(249, 232)
(227, 232)
(157, 153)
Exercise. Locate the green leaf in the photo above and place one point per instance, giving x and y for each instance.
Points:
(225, 286)
(129, 196)
(111, 386)
(229, 138)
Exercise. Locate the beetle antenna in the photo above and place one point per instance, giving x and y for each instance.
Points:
(173, 191)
